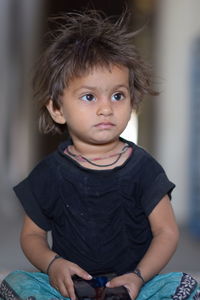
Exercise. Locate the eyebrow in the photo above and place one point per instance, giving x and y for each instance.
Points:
(94, 88)
(121, 86)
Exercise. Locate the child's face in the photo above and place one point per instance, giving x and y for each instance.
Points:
(96, 106)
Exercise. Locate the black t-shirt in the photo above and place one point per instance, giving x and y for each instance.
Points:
(98, 218)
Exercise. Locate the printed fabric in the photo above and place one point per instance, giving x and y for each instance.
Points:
(20, 285)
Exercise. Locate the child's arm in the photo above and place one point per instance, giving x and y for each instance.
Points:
(35, 246)
(164, 242)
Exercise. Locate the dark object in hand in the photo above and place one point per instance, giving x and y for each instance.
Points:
(95, 289)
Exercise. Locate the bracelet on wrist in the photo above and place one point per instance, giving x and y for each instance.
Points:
(138, 273)
(51, 262)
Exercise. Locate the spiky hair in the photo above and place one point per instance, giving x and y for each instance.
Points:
(81, 42)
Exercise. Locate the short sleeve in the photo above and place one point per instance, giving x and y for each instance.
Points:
(154, 184)
(35, 194)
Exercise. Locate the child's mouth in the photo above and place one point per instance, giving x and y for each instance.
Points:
(105, 125)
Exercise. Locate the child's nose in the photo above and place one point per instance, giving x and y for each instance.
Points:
(105, 108)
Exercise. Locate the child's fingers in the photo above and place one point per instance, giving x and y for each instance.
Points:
(69, 286)
(63, 290)
(120, 282)
(131, 283)
(115, 282)
(132, 293)
(66, 288)
(82, 273)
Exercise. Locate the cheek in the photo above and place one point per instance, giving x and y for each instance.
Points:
(77, 120)
(126, 117)
(123, 120)
(126, 112)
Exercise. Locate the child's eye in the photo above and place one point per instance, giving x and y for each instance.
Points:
(118, 96)
(88, 97)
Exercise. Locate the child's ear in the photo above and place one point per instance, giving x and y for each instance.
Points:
(56, 113)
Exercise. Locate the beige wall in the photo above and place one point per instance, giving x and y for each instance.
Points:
(19, 27)
(178, 24)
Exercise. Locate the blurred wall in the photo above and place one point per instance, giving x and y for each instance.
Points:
(177, 27)
(19, 29)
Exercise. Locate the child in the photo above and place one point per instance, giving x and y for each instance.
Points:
(105, 200)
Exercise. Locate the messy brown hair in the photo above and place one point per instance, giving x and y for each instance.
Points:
(81, 42)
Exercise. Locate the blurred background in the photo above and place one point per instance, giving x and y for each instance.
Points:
(168, 126)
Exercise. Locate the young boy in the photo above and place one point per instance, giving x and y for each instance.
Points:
(105, 200)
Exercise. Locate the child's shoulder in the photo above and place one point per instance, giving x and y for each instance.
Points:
(50, 164)
(46, 164)
(45, 169)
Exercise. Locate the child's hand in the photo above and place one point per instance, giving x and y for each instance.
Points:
(130, 281)
(60, 276)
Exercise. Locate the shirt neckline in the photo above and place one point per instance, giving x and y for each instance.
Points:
(63, 158)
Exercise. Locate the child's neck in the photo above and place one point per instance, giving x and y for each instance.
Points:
(93, 150)
(100, 157)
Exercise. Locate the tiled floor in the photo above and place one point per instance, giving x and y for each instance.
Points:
(186, 258)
